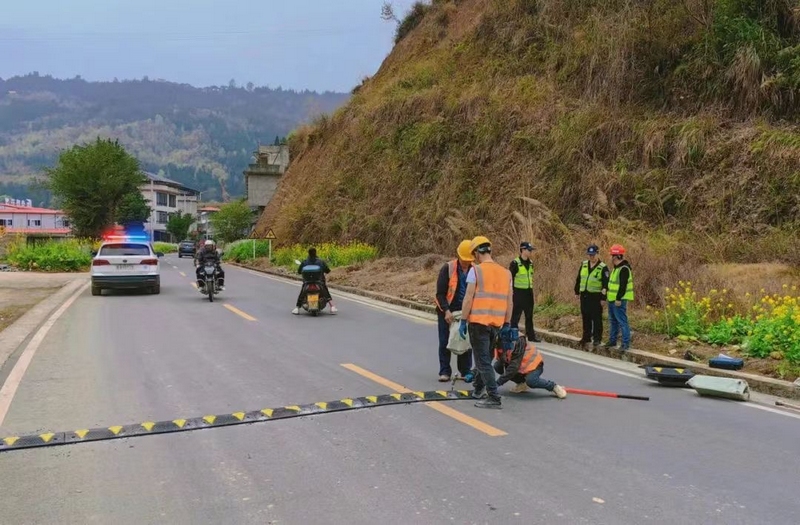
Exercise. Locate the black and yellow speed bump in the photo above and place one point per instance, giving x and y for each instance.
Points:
(147, 428)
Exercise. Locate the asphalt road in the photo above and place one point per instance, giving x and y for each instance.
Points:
(126, 358)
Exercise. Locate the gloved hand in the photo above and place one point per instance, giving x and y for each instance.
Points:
(506, 340)
(462, 329)
(514, 334)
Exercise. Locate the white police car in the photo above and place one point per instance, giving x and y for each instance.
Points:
(126, 262)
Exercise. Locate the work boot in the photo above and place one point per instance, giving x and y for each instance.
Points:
(559, 391)
(479, 393)
(610, 345)
(296, 311)
(519, 388)
(489, 402)
(536, 339)
(444, 379)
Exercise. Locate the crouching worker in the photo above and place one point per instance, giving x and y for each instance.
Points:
(524, 366)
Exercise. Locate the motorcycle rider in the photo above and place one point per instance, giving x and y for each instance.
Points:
(313, 259)
(208, 254)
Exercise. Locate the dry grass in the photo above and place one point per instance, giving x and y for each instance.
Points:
(557, 121)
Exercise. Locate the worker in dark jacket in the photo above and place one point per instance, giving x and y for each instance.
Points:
(620, 293)
(521, 270)
(523, 365)
(208, 254)
(591, 286)
(450, 289)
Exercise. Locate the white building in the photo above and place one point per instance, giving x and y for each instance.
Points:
(19, 216)
(165, 197)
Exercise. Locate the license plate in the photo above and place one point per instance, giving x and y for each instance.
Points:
(313, 300)
(125, 267)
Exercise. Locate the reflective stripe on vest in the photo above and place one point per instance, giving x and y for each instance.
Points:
(524, 278)
(592, 282)
(492, 290)
(531, 360)
(613, 285)
(452, 285)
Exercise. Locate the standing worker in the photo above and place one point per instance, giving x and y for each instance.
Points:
(521, 270)
(450, 290)
(620, 292)
(591, 286)
(487, 313)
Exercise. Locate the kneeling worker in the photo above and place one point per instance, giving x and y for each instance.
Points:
(524, 366)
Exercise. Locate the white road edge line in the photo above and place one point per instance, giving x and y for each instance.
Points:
(21, 366)
(552, 353)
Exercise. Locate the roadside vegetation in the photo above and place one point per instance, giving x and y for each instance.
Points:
(336, 255)
(66, 255)
(165, 247)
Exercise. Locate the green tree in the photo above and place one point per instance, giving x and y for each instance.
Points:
(232, 221)
(133, 208)
(178, 225)
(91, 181)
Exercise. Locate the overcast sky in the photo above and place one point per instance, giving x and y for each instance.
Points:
(299, 44)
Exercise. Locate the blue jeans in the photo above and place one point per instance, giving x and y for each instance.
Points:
(532, 379)
(464, 360)
(619, 321)
(482, 338)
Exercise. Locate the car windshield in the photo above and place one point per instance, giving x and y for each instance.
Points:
(125, 249)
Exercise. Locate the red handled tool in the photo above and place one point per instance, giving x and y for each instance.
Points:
(605, 394)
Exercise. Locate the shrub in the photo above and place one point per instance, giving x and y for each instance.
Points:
(242, 250)
(334, 254)
(165, 247)
(68, 255)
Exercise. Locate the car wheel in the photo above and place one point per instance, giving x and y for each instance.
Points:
(96, 290)
(180, 256)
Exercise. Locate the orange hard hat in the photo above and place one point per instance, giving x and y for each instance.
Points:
(464, 252)
(617, 249)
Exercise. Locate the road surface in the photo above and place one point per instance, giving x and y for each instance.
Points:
(126, 358)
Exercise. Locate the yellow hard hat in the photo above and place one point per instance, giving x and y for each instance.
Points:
(480, 240)
(464, 252)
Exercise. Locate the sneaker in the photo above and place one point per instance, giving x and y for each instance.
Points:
(536, 339)
(444, 379)
(296, 311)
(625, 348)
(480, 394)
(334, 309)
(221, 288)
(519, 388)
(560, 392)
(489, 402)
(610, 345)
(469, 377)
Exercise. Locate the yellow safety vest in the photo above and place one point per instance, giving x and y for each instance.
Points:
(592, 282)
(613, 285)
(523, 280)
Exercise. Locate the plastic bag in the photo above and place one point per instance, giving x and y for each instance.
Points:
(455, 343)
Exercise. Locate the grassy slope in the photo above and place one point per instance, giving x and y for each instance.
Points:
(653, 123)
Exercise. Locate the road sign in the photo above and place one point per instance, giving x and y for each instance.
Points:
(270, 235)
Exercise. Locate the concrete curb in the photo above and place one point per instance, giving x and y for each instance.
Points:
(764, 385)
(19, 331)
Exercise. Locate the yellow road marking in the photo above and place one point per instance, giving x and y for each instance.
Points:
(267, 412)
(116, 430)
(81, 433)
(194, 284)
(322, 405)
(182, 274)
(10, 440)
(210, 419)
(238, 415)
(180, 422)
(293, 407)
(47, 437)
(436, 405)
(148, 425)
(239, 312)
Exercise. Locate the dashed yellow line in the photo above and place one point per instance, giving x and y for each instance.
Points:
(182, 274)
(239, 312)
(439, 407)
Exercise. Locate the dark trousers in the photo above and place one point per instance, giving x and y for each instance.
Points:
(302, 295)
(592, 315)
(464, 360)
(523, 303)
(533, 379)
(482, 338)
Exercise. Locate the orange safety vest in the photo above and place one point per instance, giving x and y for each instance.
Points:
(492, 289)
(452, 286)
(530, 360)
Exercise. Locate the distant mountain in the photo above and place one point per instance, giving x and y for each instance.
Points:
(202, 137)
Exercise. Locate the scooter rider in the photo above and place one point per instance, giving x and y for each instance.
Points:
(209, 255)
(313, 259)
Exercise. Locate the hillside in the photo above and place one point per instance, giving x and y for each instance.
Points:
(667, 125)
(203, 137)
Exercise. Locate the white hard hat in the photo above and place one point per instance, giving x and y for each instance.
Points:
(209, 242)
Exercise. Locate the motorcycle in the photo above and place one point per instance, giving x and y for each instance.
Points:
(210, 276)
(314, 300)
